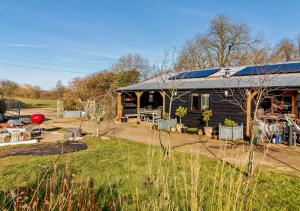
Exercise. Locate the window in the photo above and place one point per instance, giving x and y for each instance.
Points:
(199, 102)
(204, 101)
(195, 102)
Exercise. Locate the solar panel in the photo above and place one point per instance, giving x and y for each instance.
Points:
(269, 69)
(195, 74)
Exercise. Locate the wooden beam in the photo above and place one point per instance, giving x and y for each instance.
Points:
(119, 106)
(294, 105)
(250, 96)
(138, 105)
(163, 94)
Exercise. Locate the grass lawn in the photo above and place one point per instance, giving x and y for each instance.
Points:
(32, 103)
(116, 173)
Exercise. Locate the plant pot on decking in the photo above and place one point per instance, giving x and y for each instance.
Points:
(208, 131)
(179, 127)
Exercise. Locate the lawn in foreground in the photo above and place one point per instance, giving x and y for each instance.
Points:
(130, 175)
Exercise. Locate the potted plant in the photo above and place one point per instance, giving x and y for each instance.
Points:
(166, 123)
(230, 130)
(180, 112)
(206, 115)
(200, 132)
(184, 129)
(192, 130)
(230, 123)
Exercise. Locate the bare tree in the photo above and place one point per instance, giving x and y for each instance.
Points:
(134, 62)
(222, 46)
(259, 88)
(195, 55)
(227, 39)
(166, 75)
(286, 50)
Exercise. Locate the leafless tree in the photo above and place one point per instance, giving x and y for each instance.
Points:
(226, 39)
(130, 62)
(163, 73)
(259, 88)
(221, 46)
(286, 50)
(195, 55)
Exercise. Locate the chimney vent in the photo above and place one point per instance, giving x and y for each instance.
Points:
(227, 73)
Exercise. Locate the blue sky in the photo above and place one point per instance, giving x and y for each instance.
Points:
(40, 39)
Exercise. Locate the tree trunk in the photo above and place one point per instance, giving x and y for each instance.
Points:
(170, 106)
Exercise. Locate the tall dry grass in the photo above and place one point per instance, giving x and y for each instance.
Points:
(179, 181)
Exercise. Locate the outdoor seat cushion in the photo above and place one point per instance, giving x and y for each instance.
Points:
(15, 122)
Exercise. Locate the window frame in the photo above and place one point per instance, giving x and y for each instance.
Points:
(208, 101)
(191, 102)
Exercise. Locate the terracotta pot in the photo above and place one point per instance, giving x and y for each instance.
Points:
(178, 127)
(173, 129)
(208, 131)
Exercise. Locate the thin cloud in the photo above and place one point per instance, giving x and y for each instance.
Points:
(22, 45)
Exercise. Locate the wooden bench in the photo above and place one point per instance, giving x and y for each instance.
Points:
(131, 116)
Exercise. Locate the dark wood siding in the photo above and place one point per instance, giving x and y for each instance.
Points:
(222, 108)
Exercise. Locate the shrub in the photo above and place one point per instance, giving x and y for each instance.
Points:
(206, 115)
(72, 104)
(230, 123)
(3, 107)
(192, 129)
(181, 112)
(166, 116)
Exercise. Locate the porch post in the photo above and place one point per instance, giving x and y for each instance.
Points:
(250, 96)
(138, 106)
(294, 105)
(163, 94)
(120, 107)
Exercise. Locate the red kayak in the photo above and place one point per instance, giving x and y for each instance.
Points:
(37, 118)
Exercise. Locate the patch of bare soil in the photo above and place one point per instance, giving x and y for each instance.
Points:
(44, 149)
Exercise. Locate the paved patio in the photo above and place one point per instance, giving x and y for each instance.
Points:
(276, 157)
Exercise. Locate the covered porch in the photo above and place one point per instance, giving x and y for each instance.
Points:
(275, 113)
(142, 105)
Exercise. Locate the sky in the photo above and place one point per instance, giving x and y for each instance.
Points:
(42, 42)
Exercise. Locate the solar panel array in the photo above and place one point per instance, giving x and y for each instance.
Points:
(270, 69)
(195, 74)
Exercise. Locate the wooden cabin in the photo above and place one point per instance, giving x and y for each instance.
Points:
(217, 89)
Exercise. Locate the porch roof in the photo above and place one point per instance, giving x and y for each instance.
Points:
(291, 80)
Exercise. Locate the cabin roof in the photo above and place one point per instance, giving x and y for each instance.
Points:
(217, 80)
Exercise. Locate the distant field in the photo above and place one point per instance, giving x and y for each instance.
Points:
(32, 103)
